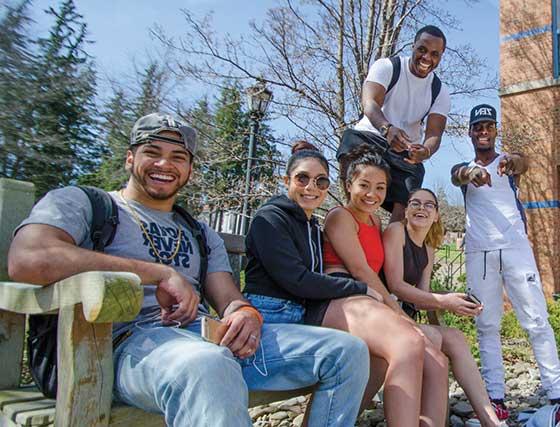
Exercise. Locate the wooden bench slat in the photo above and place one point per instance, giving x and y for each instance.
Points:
(32, 413)
(26, 394)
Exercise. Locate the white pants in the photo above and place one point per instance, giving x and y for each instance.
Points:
(517, 271)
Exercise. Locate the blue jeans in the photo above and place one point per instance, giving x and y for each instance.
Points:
(277, 310)
(196, 383)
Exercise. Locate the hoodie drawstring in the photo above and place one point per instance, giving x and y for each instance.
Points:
(320, 250)
(309, 238)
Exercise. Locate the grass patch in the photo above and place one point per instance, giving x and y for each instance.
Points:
(515, 341)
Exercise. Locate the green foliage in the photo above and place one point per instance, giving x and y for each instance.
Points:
(224, 135)
(52, 138)
(16, 83)
(117, 118)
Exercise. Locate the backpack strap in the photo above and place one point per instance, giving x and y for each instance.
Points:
(200, 237)
(396, 61)
(436, 82)
(436, 89)
(105, 217)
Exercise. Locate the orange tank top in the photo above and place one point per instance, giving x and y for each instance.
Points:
(370, 240)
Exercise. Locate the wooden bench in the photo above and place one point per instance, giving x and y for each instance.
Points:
(87, 305)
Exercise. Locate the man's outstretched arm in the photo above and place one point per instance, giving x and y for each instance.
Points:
(513, 164)
(462, 174)
(43, 254)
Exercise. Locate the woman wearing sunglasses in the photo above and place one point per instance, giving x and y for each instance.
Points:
(409, 247)
(285, 281)
(354, 249)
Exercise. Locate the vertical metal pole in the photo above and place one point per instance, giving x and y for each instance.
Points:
(248, 173)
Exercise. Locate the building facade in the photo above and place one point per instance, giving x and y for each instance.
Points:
(530, 104)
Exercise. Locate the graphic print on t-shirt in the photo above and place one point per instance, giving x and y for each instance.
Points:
(165, 242)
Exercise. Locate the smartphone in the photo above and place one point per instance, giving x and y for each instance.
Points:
(213, 330)
(473, 298)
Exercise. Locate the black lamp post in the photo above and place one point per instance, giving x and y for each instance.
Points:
(258, 99)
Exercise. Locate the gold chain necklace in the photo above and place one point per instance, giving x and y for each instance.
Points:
(147, 235)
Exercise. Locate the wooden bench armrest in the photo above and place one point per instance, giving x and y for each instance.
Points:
(87, 304)
(105, 296)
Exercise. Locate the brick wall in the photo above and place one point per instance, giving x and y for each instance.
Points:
(531, 121)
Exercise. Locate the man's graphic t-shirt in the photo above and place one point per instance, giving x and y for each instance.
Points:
(70, 210)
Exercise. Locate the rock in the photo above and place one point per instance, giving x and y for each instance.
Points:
(279, 415)
(532, 401)
(258, 411)
(520, 368)
(298, 421)
(294, 401)
(295, 409)
(511, 384)
(462, 409)
(373, 416)
(455, 421)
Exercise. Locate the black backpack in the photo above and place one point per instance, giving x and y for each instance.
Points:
(436, 82)
(42, 333)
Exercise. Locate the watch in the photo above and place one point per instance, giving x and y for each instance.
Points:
(384, 129)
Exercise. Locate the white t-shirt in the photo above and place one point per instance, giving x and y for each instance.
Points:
(495, 218)
(408, 101)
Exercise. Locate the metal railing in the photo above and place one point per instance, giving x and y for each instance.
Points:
(449, 266)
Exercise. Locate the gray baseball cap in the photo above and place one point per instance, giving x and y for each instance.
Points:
(149, 127)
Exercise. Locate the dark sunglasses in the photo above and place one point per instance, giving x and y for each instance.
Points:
(302, 180)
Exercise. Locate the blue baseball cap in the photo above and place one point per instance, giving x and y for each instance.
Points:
(483, 113)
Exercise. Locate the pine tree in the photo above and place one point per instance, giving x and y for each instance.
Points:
(118, 118)
(65, 143)
(16, 90)
(223, 158)
(117, 121)
(152, 90)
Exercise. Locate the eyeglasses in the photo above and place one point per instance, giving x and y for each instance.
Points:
(417, 204)
(302, 180)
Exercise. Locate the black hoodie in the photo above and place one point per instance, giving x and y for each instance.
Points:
(284, 258)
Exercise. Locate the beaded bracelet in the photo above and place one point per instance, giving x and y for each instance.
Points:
(253, 310)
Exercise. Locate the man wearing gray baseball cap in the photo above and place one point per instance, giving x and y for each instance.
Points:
(162, 364)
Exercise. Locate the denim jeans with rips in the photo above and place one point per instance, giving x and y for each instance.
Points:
(196, 383)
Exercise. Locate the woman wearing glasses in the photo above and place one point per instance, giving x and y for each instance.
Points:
(354, 249)
(285, 281)
(409, 249)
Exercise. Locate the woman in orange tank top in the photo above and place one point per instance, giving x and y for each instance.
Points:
(353, 248)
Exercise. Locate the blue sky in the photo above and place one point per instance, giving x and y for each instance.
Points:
(120, 30)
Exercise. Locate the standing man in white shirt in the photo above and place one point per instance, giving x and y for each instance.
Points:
(498, 254)
(399, 95)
